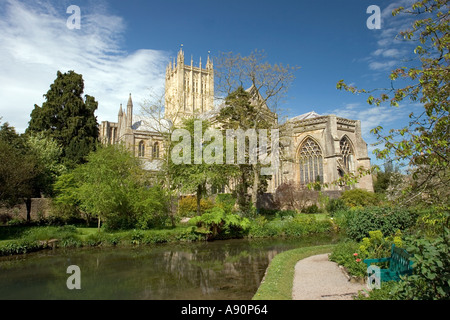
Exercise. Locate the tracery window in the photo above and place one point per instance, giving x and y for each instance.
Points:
(141, 149)
(347, 153)
(311, 162)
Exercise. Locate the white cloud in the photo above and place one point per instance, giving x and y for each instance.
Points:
(36, 44)
(390, 49)
(373, 116)
(375, 65)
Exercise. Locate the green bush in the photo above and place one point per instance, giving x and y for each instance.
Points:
(20, 246)
(431, 274)
(299, 225)
(282, 214)
(388, 220)
(217, 224)
(351, 254)
(386, 292)
(226, 201)
(335, 205)
(344, 255)
(187, 206)
(311, 209)
(359, 198)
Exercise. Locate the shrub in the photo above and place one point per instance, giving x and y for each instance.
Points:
(20, 247)
(311, 209)
(388, 220)
(216, 223)
(351, 254)
(300, 225)
(431, 274)
(433, 221)
(335, 205)
(187, 206)
(285, 214)
(359, 198)
(226, 201)
(344, 255)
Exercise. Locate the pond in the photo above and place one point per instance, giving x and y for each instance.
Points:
(219, 270)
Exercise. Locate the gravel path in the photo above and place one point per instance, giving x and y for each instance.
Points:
(317, 278)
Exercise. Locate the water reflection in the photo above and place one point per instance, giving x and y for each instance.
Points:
(224, 270)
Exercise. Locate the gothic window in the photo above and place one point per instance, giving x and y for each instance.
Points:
(141, 149)
(156, 150)
(347, 153)
(311, 162)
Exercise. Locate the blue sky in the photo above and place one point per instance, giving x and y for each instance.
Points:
(124, 46)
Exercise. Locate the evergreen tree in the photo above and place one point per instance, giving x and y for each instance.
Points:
(67, 118)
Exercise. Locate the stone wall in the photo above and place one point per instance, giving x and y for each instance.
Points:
(295, 200)
(40, 208)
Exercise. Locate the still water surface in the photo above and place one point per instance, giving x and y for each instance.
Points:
(219, 270)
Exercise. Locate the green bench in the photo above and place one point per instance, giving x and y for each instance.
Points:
(399, 265)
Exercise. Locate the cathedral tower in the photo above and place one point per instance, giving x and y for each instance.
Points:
(189, 89)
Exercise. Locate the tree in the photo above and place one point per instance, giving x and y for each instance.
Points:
(47, 154)
(383, 178)
(113, 187)
(424, 142)
(271, 81)
(196, 177)
(19, 169)
(67, 118)
(153, 109)
(239, 113)
(267, 84)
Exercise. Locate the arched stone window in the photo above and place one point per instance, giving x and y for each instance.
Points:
(141, 149)
(156, 150)
(311, 162)
(347, 153)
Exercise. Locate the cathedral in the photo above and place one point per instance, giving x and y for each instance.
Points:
(314, 147)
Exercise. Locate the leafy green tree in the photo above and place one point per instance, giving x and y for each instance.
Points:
(424, 142)
(67, 118)
(197, 177)
(66, 203)
(113, 187)
(383, 178)
(47, 154)
(19, 169)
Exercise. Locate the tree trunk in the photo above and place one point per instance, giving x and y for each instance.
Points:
(172, 212)
(28, 205)
(99, 222)
(199, 196)
(255, 186)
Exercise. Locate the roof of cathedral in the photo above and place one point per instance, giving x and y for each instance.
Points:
(148, 124)
(309, 115)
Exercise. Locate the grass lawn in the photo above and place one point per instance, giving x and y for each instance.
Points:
(279, 278)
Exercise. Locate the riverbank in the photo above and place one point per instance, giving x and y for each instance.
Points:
(23, 239)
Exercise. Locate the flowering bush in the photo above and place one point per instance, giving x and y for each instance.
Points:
(351, 254)
(346, 254)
